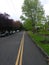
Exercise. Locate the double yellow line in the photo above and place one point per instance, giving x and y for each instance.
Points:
(20, 52)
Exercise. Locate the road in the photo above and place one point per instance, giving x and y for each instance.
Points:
(18, 49)
(9, 49)
(32, 55)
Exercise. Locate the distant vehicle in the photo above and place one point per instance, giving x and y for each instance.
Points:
(6, 33)
(13, 31)
(17, 30)
(2, 35)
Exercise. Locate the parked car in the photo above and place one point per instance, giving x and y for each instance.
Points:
(13, 31)
(2, 35)
(17, 30)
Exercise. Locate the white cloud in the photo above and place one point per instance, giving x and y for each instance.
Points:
(46, 8)
(44, 1)
(12, 7)
(45, 4)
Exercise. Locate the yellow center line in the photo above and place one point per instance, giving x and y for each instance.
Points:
(20, 52)
(17, 60)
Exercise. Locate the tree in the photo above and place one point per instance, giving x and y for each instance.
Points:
(46, 23)
(32, 10)
(47, 18)
(18, 25)
(6, 24)
(27, 26)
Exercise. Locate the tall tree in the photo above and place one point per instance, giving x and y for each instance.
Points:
(32, 10)
(27, 26)
(47, 22)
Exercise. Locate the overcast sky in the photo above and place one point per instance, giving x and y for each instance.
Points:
(13, 7)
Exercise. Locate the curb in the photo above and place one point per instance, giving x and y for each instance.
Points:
(41, 50)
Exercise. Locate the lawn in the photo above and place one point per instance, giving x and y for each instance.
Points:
(38, 38)
(44, 32)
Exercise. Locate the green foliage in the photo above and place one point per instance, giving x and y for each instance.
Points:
(47, 23)
(37, 38)
(28, 25)
(32, 10)
(22, 17)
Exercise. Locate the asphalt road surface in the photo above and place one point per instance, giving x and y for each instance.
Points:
(18, 49)
(9, 49)
(32, 55)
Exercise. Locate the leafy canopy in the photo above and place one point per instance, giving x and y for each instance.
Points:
(33, 11)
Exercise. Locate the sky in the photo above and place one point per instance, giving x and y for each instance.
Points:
(13, 7)
(45, 4)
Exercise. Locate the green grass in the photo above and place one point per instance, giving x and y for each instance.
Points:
(44, 32)
(37, 38)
